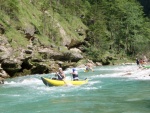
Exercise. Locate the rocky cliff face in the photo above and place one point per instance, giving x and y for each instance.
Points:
(40, 40)
(35, 59)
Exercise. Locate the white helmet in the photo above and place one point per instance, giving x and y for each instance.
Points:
(60, 68)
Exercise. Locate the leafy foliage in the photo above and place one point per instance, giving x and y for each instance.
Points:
(10, 7)
(119, 25)
(112, 26)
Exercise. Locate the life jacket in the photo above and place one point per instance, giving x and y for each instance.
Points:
(137, 61)
(60, 77)
(75, 75)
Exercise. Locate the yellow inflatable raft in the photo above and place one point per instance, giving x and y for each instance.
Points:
(51, 82)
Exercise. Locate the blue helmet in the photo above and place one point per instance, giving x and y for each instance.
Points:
(73, 69)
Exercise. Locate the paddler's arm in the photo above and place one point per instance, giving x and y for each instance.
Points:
(91, 69)
(63, 74)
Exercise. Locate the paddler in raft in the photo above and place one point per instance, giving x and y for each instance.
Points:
(74, 74)
(60, 74)
(88, 68)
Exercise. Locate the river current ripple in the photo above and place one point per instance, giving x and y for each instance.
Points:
(110, 90)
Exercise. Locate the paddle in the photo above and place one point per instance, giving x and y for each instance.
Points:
(63, 79)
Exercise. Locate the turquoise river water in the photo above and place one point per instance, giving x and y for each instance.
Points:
(108, 91)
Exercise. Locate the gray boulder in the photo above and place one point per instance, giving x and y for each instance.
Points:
(11, 66)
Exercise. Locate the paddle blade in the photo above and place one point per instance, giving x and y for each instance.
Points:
(67, 83)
